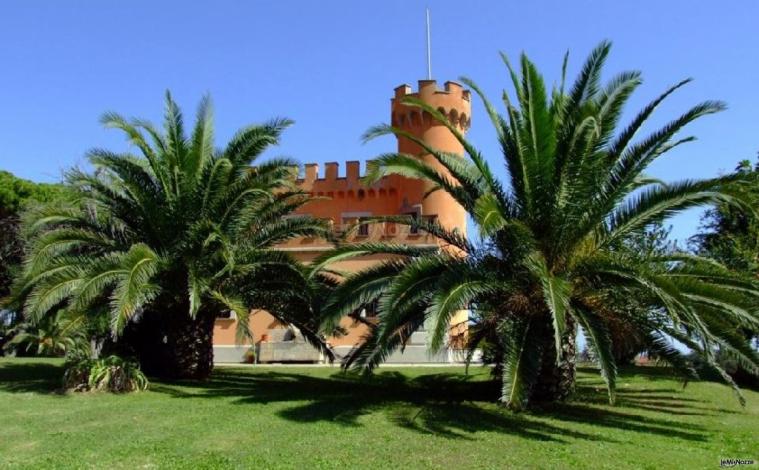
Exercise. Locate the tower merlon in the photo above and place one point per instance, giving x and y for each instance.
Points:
(312, 172)
(353, 170)
(402, 90)
(426, 87)
(330, 170)
(457, 88)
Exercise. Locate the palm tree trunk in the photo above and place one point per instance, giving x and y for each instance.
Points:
(172, 345)
(189, 344)
(556, 379)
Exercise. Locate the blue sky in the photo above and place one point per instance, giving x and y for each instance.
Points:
(332, 67)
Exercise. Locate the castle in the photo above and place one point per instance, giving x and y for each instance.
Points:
(345, 200)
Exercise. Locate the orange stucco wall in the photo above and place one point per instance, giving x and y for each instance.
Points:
(343, 197)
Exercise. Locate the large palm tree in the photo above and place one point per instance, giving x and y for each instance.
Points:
(163, 241)
(548, 256)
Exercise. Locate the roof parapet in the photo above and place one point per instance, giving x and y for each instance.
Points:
(429, 87)
(332, 172)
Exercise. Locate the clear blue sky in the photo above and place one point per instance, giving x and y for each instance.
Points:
(332, 67)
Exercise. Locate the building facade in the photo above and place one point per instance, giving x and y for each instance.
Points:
(344, 199)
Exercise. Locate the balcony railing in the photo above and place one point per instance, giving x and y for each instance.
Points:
(356, 229)
(353, 230)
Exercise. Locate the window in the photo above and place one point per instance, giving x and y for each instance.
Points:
(430, 219)
(226, 315)
(350, 220)
(347, 223)
(369, 310)
(363, 228)
(390, 229)
(413, 229)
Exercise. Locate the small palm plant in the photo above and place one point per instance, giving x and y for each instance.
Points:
(162, 241)
(110, 374)
(54, 335)
(548, 257)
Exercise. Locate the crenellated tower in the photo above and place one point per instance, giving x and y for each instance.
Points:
(452, 101)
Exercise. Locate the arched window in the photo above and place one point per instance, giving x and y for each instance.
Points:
(463, 121)
(426, 118)
(454, 117)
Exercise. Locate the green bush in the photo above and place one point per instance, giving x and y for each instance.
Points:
(111, 374)
(730, 364)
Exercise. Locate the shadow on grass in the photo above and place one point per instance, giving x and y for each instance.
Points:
(444, 404)
(449, 405)
(661, 400)
(34, 377)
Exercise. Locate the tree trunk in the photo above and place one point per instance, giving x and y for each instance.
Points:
(172, 345)
(556, 381)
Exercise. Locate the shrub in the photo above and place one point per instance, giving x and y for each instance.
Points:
(730, 364)
(111, 374)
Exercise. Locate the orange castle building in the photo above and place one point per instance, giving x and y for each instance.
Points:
(345, 200)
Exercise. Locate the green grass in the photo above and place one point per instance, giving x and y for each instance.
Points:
(401, 418)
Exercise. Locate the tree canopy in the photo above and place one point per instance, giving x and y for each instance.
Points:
(16, 193)
(732, 236)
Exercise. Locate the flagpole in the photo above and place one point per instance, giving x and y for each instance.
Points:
(429, 52)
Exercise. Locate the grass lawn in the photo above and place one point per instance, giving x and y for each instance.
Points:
(299, 417)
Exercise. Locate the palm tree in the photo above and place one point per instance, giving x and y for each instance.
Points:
(163, 241)
(547, 259)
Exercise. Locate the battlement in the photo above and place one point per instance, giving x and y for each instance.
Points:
(332, 173)
(427, 87)
(453, 101)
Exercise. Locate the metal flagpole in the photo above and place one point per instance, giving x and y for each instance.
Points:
(429, 54)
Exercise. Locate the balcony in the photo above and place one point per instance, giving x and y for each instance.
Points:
(352, 230)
